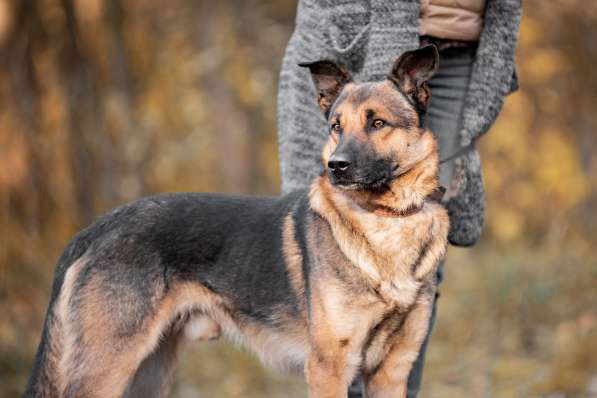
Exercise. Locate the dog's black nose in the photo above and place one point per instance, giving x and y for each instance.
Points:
(338, 163)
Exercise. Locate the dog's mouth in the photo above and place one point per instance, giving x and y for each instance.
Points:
(377, 185)
(378, 182)
(372, 182)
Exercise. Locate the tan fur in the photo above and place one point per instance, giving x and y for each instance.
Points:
(283, 349)
(294, 261)
(339, 326)
(390, 378)
(62, 334)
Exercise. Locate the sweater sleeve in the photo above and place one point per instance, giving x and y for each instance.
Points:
(493, 73)
(394, 29)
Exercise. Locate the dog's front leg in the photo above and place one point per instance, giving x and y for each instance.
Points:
(390, 378)
(336, 334)
(327, 373)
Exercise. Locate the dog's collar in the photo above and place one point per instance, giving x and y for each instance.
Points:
(385, 211)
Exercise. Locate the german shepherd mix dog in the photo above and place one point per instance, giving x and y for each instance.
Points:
(335, 281)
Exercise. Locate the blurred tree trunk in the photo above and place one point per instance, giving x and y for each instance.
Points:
(86, 136)
(20, 95)
(126, 87)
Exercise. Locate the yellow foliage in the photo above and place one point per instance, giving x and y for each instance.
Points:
(542, 65)
(557, 170)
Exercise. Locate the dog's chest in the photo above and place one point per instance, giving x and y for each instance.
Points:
(383, 249)
(386, 251)
(396, 239)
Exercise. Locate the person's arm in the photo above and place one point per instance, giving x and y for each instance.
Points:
(493, 72)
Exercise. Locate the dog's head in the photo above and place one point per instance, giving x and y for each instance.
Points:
(375, 129)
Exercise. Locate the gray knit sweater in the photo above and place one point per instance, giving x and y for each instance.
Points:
(367, 36)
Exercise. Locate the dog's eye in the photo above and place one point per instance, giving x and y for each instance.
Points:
(378, 123)
(336, 127)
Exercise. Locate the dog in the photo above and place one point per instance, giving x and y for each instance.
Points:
(333, 281)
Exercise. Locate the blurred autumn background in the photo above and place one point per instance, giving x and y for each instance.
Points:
(103, 101)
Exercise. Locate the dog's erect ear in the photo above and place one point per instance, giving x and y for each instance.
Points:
(411, 72)
(329, 79)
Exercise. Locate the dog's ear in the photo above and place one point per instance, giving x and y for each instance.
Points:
(411, 72)
(329, 79)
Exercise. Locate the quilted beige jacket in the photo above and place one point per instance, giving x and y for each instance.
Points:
(452, 19)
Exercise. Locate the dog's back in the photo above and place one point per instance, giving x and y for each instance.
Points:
(141, 271)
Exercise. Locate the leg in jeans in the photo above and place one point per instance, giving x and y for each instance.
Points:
(448, 90)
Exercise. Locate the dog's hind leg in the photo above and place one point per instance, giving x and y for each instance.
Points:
(153, 377)
(114, 323)
(46, 377)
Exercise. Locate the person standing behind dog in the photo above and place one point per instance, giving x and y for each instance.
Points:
(477, 42)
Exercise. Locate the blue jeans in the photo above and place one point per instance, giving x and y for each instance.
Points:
(444, 119)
